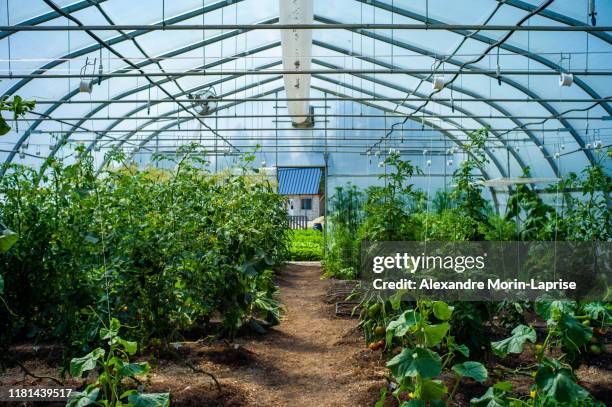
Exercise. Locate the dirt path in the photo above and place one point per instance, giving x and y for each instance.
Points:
(311, 359)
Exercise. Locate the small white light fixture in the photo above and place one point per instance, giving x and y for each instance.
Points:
(381, 164)
(566, 79)
(557, 155)
(438, 82)
(429, 163)
(598, 143)
(263, 164)
(588, 146)
(562, 146)
(449, 162)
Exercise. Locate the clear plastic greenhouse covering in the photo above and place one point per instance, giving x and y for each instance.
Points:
(413, 76)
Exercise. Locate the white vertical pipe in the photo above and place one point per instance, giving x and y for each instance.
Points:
(297, 53)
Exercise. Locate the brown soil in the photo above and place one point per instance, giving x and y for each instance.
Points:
(310, 359)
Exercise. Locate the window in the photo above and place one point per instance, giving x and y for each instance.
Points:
(307, 204)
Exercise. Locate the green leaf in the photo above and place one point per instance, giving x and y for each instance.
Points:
(442, 310)
(573, 333)
(149, 400)
(514, 344)
(435, 333)
(1, 284)
(85, 363)
(129, 346)
(503, 386)
(409, 363)
(549, 309)
(599, 311)
(492, 398)
(133, 369)
(4, 127)
(474, 370)
(112, 330)
(464, 350)
(85, 398)
(7, 239)
(432, 390)
(402, 324)
(414, 403)
(557, 381)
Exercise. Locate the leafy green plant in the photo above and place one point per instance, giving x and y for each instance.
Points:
(18, 107)
(167, 249)
(555, 383)
(387, 215)
(467, 192)
(420, 331)
(114, 367)
(343, 245)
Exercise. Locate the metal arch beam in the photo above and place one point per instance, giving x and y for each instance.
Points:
(474, 95)
(450, 136)
(208, 84)
(189, 15)
(530, 55)
(145, 87)
(497, 164)
(186, 119)
(259, 49)
(185, 49)
(484, 39)
(561, 18)
(67, 97)
(510, 82)
(43, 18)
(125, 37)
(432, 125)
(127, 136)
(405, 90)
(189, 48)
(168, 114)
(179, 18)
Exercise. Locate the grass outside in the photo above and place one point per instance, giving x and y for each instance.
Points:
(306, 245)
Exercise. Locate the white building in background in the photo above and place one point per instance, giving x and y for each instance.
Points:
(304, 191)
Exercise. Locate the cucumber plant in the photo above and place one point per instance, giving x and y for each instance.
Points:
(427, 350)
(114, 367)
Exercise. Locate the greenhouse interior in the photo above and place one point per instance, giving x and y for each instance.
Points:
(306, 203)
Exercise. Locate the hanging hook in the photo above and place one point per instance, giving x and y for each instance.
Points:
(100, 68)
(498, 70)
(592, 13)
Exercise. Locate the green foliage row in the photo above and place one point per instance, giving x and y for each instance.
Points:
(162, 251)
(433, 335)
(305, 245)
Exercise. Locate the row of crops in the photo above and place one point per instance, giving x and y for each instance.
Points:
(433, 347)
(126, 260)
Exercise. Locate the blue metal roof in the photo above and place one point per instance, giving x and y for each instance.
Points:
(299, 181)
